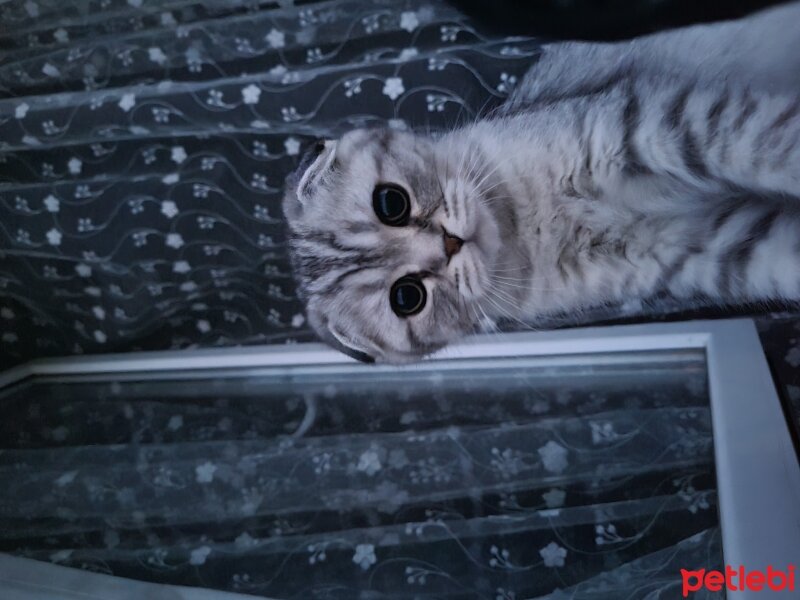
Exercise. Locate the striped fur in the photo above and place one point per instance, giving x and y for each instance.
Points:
(667, 164)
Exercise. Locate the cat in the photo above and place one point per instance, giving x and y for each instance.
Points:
(667, 164)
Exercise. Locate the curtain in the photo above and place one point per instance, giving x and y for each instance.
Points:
(479, 482)
(144, 146)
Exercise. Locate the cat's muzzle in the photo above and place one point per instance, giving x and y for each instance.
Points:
(452, 244)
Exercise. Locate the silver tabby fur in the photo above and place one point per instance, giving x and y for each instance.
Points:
(615, 171)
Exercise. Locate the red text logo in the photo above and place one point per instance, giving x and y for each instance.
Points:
(738, 579)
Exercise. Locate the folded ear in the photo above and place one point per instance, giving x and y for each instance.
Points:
(292, 207)
(297, 179)
(341, 343)
(335, 339)
(309, 155)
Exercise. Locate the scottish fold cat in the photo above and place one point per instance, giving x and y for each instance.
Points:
(670, 163)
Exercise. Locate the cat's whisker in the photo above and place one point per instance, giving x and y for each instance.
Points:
(468, 175)
(485, 326)
(462, 161)
(486, 176)
(486, 319)
(502, 274)
(461, 111)
(490, 325)
(474, 165)
(517, 269)
(539, 288)
(489, 298)
(481, 114)
(507, 295)
(501, 296)
(508, 284)
(483, 193)
(507, 278)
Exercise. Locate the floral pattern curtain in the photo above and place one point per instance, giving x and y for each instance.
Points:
(143, 147)
(501, 483)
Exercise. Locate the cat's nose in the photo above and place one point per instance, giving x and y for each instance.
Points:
(452, 244)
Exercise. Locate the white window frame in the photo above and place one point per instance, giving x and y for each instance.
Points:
(758, 475)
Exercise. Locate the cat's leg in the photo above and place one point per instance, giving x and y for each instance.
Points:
(738, 251)
(712, 137)
(762, 50)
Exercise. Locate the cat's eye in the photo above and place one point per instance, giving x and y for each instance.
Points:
(391, 205)
(407, 296)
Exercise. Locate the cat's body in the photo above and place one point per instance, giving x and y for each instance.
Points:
(669, 164)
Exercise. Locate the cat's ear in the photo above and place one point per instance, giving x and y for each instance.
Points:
(329, 334)
(314, 164)
(299, 183)
(292, 207)
(346, 346)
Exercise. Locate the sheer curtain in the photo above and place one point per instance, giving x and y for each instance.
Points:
(143, 147)
(502, 481)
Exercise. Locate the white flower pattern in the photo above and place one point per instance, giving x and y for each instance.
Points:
(178, 154)
(369, 462)
(54, 237)
(364, 556)
(292, 146)
(553, 555)
(169, 209)
(205, 472)
(199, 555)
(174, 240)
(157, 55)
(275, 38)
(554, 457)
(251, 94)
(127, 102)
(52, 204)
(393, 87)
(409, 21)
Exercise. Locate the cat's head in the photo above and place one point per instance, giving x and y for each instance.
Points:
(390, 243)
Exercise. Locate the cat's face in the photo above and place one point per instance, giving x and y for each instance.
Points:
(390, 242)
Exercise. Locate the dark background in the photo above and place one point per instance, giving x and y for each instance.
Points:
(602, 20)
